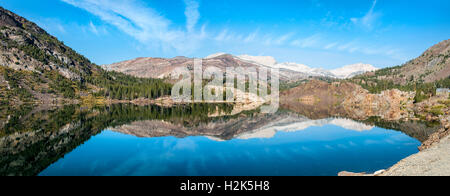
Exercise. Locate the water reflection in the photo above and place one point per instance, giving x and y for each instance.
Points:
(316, 151)
(112, 140)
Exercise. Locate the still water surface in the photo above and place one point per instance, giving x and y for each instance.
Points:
(193, 140)
(316, 150)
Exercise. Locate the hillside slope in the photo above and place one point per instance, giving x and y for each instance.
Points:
(37, 67)
(433, 65)
(422, 75)
(25, 46)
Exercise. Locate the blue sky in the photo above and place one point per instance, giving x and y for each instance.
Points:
(318, 33)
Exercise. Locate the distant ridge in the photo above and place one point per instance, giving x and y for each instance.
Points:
(345, 72)
(162, 68)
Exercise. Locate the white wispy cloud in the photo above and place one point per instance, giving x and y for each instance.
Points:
(331, 45)
(52, 25)
(151, 29)
(58, 27)
(93, 28)
(308, 42)
(222, 36)
(282, 39)
(268, 40)
(369, 19)
(346, 46)
(192, 14)
(367, 49)
(251, 37)
(353, 49)
(143, 23)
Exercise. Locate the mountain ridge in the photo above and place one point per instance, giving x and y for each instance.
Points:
(153, 67)
(431, 66)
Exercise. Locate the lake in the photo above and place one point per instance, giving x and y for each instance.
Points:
(125, 140)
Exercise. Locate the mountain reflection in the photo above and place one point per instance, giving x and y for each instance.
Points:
(32, 138)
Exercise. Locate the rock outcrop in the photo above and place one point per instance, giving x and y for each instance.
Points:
(437, 136)
(389, 105)
(322, 99)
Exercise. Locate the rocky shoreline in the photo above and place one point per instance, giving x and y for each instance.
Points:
(432, 160)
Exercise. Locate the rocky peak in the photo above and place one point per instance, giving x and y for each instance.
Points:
(8, 18)
(215, 55)
(349, 71)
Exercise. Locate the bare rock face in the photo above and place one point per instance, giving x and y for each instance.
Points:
(317, 99)
(69, 74)
(9, 19)
(389, 105)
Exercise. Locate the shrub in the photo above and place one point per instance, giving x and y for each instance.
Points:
(436, 111)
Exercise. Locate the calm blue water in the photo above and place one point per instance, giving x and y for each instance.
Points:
(315, 151)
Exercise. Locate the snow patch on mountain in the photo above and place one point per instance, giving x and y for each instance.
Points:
(345, 72)
(288, 125)
(341, 73)
(295, 67)
(263, 60)
(215, 55)
(353, 70)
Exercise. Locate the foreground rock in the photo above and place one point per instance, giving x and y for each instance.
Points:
(436, 137)
(434, 161)
(345, 173)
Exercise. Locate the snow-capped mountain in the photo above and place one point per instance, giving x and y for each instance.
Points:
(341, 73)
(263, 60)
(353, 70)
